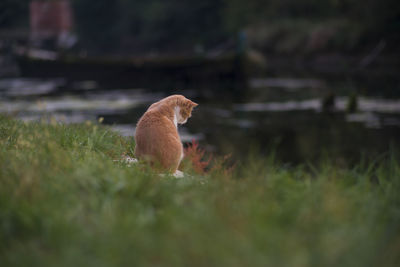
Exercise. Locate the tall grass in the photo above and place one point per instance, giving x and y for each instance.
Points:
(65, 201)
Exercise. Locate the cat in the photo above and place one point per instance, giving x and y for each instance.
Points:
(157, 138)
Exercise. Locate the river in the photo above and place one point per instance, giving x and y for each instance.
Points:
(283, 116)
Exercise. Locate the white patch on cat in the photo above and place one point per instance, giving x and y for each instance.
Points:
(177, 115)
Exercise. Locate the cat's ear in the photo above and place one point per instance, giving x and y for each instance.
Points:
(193, 104)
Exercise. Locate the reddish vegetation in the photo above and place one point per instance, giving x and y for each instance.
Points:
(196, 155)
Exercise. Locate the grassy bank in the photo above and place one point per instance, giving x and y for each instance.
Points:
(64, 201)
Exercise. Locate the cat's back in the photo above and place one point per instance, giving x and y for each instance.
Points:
(156, 133)
(153, 120)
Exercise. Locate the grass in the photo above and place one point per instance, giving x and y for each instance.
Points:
(64, 201)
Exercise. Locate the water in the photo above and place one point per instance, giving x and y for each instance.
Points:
(284, 116)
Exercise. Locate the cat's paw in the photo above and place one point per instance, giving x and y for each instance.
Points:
(178, 174)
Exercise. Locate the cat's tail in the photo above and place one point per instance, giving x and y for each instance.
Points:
(128, 160)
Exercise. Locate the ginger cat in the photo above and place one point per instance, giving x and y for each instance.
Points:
(157, 138)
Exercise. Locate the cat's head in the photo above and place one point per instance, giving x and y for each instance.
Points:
(184, 108)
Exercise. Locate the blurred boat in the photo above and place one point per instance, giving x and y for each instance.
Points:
(195, 72)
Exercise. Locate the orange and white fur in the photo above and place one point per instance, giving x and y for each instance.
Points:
(157, 138)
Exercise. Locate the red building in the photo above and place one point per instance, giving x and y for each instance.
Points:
(51, 21)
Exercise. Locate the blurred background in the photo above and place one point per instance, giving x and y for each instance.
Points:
(305, 79)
